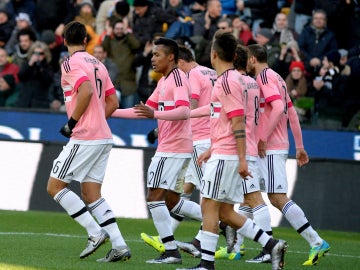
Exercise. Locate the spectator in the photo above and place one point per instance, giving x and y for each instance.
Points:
(329, 93)
(6, 27)
(56, 94)
(302, 12)
(242, 31)
(344, 68)
(282, 35)
(121, 46)
(22, 22)
(297, 87)
(55, 44)
(148, 19)
(8, 91)
(205, 26)
(263, 38)
(315, 41)
(36, 77)
(6, 67)
(15, 7)
(288, 52)
(148, 77)
(262, 12)
(25, 38)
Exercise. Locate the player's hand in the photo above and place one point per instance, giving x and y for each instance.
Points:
(243, 170)
(66, 130)
(204, 157)
(152, 135)
(262, 148)
(302, 157)
(143, 110)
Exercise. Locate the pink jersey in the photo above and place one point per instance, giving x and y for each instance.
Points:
(226, 102)
(201, 80)
(273, 87)
(78, 68)
(252, 113)
(172, 91)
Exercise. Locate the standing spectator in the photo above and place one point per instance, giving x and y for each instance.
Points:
(22, 22)
(90, 99)
(6, 27)
(148, 19)
(302, 12)
(282, 35)
(264, 38)
(288, 52)
(273, 147)
(121, 46)
(15, 7)
(6, 67)
(25, 38)
(170, 104)
(36, 77)
(56, 94)
(315, 41)
(8, 91)
(242, 31)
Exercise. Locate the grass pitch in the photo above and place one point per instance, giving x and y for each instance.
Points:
(53, 241)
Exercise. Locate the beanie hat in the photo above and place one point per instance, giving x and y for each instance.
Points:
(140, 3)
(23, 17)
(297, 64)
(334, 57)
(87, 2)
(122, 8)
(266, 32)
(10, 80)
(343, 52)
(47, 36)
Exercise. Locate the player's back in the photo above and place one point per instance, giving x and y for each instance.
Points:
(273, 87)
(78, 68)
(251, 96)
(201, 80)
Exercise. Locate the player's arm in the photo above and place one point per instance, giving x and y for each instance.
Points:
(301, 155)
(112, 103)
(238, 128)
(200, 112)
(85, 92)
(194, 103)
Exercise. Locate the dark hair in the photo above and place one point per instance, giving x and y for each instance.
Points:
(259, 52)
(75, 33)
(171, 47)
(241, 57)
(27, 32)
(224, 44)
(185, 54)
(116, 21)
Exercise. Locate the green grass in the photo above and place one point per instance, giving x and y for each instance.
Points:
(45, 240)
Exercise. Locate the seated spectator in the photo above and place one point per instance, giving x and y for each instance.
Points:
(315, 41)
(183, 26)
(6, 67)
(264, 37)
(288, 52)
(56, 94)
(344, 68)
(329, 93)
(25, 38)
(242, 30)
(6, 27)
(282, 35)
(297, 87)
(8, 91)
(36, 77)
(22, 22)
(15, 7)
(56, 46)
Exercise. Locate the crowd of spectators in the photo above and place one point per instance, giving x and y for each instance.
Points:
(314, 45)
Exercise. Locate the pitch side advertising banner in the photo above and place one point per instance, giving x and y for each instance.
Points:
(44, 126)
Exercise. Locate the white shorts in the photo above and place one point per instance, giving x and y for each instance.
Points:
(195, 173)
(221, 181)
(273, 173)
(252, 184)
(167, 173)
(80, 162)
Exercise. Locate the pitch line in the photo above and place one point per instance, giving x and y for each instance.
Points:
(138, 240)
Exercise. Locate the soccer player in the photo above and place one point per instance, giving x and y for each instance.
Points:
(89, 98)
(170, 104)
(226, 163)
(201, 83)
(253, 206)
(273, 148)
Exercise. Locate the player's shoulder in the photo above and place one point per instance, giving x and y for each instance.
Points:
(177, 77)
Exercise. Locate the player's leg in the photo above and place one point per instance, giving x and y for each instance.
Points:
(71, 165)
